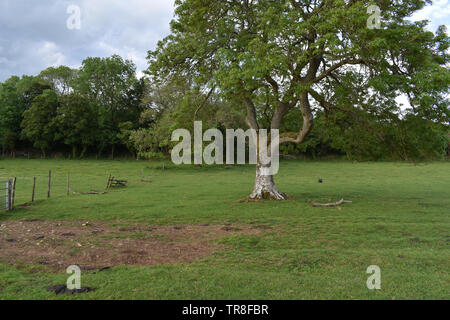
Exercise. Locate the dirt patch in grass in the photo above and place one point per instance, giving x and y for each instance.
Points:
(96, 245)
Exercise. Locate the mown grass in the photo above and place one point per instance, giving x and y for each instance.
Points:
(399, 221)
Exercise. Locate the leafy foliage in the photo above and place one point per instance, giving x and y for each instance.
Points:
(39, 121)
(286, 62)
(310, 68)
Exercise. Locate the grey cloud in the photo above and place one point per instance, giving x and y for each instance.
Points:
(34, 35)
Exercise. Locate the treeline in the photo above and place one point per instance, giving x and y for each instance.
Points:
(71, 111)
(104, 110)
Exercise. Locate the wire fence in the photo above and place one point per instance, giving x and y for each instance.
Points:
(5, 192)
(40, 185)
(37, 188)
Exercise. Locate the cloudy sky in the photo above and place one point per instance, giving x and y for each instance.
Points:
(34, 33)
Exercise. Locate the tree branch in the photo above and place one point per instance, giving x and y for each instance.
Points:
(251, 118)
(204, 102)
(337, 66)
(307, 121)
(335, 204)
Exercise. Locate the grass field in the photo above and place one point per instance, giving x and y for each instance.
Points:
(399, 220)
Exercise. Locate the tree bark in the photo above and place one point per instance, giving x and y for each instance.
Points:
(265, 187)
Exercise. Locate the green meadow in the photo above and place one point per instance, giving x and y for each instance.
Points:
(399, 220)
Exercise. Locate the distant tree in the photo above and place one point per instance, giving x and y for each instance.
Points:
(30, 87)
(124, 136)
(11, 109)
(61, 78)
(77, 123)
(276, 57)
(39, 124)
(175, 104)
(112, 84)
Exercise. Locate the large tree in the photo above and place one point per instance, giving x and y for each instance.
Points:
(77, 123)
(16, 96)
(112, 84)
(11, 109)
(39, 122)
(277, 57)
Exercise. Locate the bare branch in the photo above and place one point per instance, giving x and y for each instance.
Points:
(337, 66)
(274, 86)
(204, 102)
(335, 204)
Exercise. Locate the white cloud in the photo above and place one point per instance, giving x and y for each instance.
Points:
(127, 28)
(438, 14)
(51, 55)
(34, 34)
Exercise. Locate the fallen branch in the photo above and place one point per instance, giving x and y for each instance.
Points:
(90, 192)
(340, 202)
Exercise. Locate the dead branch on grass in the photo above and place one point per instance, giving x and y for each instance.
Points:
(90, 192)
(335, 204)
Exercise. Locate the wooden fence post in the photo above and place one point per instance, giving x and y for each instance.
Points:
(68, 184)
(109, 180)
(34, 188)
(49, 182)
(13, 196)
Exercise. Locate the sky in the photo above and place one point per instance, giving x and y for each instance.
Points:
(35, 35)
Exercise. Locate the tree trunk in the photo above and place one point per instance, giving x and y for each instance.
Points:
(83, 152)
(265, 187)
(99, 153)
